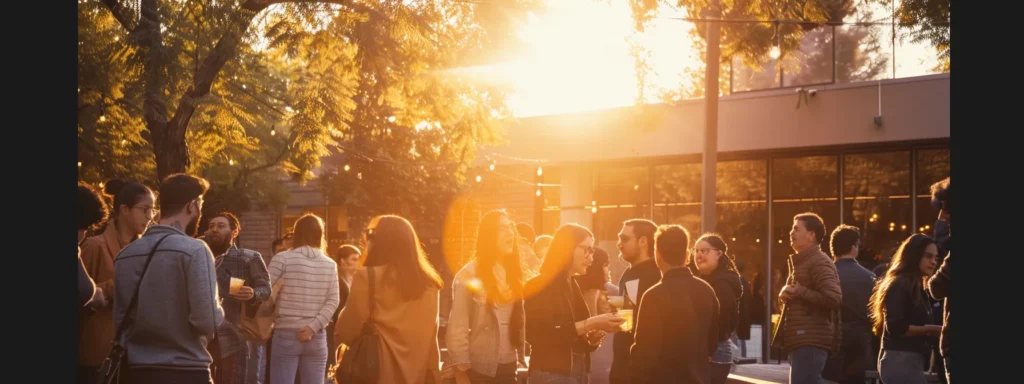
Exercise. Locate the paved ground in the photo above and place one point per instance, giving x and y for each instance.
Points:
(760, 373)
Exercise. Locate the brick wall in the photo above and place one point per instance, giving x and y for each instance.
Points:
(259, 229)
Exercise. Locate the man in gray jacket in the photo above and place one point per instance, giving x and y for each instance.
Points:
(178, 308)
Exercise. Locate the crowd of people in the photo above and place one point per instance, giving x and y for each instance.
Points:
(185, 308)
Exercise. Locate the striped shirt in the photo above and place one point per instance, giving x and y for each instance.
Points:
(308, 293)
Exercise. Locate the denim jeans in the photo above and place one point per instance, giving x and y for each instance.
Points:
(506, 374)
(165, 376)
(806, 364)
(901, 367)
(254, 374)
(289, 355)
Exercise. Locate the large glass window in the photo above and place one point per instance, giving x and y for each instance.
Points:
(551, 193)
(742, 189)
(932, 167)
(622, 194)
(677, 195)
(802, 184)
(876, 194)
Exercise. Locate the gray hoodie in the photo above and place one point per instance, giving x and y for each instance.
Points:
(178, 308)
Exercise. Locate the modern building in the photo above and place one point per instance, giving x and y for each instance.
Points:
(862, 153)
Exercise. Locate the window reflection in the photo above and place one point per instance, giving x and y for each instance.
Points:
(932, 167)
(802, 184)
(551, 215)
(742, 188)
(622, 194)
(876, 194)
(677, 195)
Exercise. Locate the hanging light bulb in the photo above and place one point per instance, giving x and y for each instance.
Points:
(775, 52)
(636, 187)
(79, 164)
(593, 210)
(538, 192)
(273, 132)
(479, 179)
(101, 185)
(347, 167)
(491, 167)
(540, 171)
(757, 241)
(103, 118)
(231, 162)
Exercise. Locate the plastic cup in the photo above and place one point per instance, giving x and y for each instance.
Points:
(236, 285)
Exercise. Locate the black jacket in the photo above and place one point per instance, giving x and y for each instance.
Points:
(676, 331)
(743, 323)
(648, 274)
(905, 305)
(551, 324)
(728, 291)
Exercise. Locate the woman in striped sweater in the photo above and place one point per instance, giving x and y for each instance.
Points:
(307, 299)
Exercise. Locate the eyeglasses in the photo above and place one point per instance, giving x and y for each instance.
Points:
(587, 250)
(150, 212)
(704, 251)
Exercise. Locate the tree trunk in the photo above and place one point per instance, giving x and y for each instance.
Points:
(168, 136)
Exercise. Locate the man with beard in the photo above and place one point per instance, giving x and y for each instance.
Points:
(235, 358)
(636, 247)
(166, 304)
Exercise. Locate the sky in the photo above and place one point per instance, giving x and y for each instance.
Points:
(578, 58)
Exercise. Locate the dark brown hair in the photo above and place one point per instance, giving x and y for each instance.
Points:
(178, 190)
(905, 268)
(813, 223)
(309, 232)
(392, 241)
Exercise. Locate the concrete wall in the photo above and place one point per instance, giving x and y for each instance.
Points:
(912, 109)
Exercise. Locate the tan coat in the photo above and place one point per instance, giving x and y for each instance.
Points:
(96, 329)
(408, 329)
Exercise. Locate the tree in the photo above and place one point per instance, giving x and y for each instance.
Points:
(926, 20)
(421, 127)
(261, 86)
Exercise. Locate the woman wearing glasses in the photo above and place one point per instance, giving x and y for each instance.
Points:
(900, 312)
(718, 270)
(486, 330)
(130, 217)
(406, 289)
(559, 328)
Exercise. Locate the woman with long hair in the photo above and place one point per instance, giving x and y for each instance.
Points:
(406, 292)
(900, 312)
(306, 300)
(486, 334)
(559, 327)
(718, 270)
(132, 212)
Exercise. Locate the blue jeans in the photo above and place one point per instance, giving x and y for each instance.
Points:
(901, 367)
(289, 355)
(254, 374)
(806, 364)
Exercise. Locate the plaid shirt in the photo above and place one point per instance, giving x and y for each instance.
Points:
(242, 264)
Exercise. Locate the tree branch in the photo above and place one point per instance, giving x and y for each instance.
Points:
(244, 173)
(121, 14)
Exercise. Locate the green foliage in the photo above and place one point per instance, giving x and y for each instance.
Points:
(308, 80)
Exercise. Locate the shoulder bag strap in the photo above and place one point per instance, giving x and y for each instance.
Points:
(373, 302)
(135, 298)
